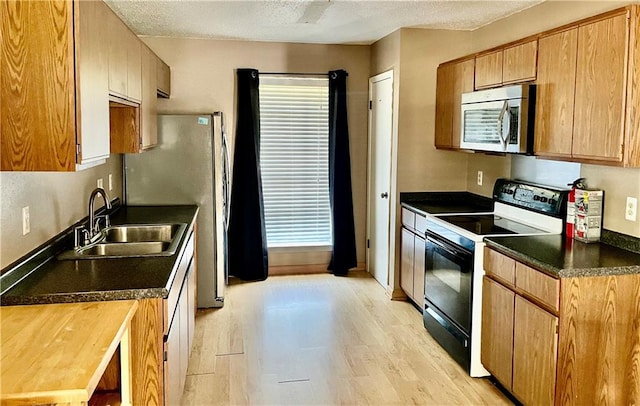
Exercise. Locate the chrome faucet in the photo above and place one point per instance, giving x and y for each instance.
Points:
(94, 227)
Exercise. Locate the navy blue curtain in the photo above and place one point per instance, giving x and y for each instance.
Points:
(343, 255)
(247, 234)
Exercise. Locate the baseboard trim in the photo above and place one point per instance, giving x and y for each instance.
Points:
(306, 269)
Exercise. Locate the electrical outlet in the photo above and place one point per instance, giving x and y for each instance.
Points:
(110, 182)
(26, 221)
(100, 183)
(479, 178)
(631, 209)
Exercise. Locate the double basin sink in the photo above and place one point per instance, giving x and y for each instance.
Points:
(131, 240)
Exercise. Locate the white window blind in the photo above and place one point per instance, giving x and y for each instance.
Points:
(294, 155)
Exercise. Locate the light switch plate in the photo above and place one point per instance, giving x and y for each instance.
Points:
(480, 178)
(110, 182)
(631, 209)
(99, 184)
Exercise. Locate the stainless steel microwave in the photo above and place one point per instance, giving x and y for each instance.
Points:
(498, 120)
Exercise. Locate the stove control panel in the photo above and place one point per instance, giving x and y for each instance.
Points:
(543, 199)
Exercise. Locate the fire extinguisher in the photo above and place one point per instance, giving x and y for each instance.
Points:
(579, 183)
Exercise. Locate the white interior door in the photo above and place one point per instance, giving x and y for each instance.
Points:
(379, 175)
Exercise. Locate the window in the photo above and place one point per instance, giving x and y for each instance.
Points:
(294, 154)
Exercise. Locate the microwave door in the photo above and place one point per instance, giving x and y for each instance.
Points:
(490, 126)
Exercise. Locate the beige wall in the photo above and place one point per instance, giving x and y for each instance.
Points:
(203, 80)
(55, 200)
(617, 182)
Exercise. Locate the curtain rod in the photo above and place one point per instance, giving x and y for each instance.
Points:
(294, 73)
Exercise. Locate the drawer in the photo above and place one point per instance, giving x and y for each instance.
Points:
(500, 266)
(421, 224)
(538, 285)
(408, 218)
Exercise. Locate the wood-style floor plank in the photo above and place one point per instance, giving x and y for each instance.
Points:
(322, 340)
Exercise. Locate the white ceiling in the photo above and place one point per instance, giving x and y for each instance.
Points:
(307, 21)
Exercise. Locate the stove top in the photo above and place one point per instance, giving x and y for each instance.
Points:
(490, 224)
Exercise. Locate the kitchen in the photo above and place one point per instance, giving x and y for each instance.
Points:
(202, 73)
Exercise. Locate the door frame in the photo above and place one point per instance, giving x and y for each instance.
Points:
(391, 259)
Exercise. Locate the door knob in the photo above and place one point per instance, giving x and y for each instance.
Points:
(384, 195)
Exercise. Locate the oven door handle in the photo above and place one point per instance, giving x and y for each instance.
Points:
(445, 248)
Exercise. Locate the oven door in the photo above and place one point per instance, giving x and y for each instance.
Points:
(448, 280)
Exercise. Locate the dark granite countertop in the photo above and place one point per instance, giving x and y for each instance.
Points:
(446, 202)
(58, 281)
(562, 258)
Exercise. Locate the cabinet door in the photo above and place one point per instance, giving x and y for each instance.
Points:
(37, 113)
(134, 67)
(488, 70)
(191, 307)
(418, 269)
(163, 73)
(497, 330)
(93, 81)
(535, 352)
(118, 67)
(172, 369)
(406, 262)
(519, 62)
(463, 79)
(148, 107)
(556, 85)
(600, 89)
(185, 313)
(444, 106)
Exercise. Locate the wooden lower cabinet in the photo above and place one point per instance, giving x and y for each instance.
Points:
(162, 334)
(584, 351)
(412, 262)
(406, 262)
(497, 330)
(535, 353)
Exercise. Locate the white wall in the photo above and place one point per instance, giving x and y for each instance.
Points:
(56, 200)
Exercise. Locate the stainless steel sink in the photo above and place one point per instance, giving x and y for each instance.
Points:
(131, 240)
(125, 249)
(142, 233)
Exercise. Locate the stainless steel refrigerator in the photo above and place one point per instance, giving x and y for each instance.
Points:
(189, 166)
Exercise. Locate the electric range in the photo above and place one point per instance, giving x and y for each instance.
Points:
(454, 254)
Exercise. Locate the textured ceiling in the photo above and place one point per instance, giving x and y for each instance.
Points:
(309, 21)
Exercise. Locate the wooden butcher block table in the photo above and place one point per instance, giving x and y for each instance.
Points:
(57, 353)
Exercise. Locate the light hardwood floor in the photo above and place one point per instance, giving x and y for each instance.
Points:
(322, 340)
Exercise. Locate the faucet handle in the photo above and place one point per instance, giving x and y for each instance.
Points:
(80, 237)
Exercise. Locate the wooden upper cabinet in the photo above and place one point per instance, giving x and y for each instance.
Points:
(519, 62)
(125, 69)
(72, 111)
(488, 71)
(513, 64)
(134, 67)
(164, 78)
(453, 79)
(118, 50)
(463, 80)
(555, 89)
(444, 106)
(148, 107)
(601, 89)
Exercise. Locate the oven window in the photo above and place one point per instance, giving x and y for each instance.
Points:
(448, 281)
